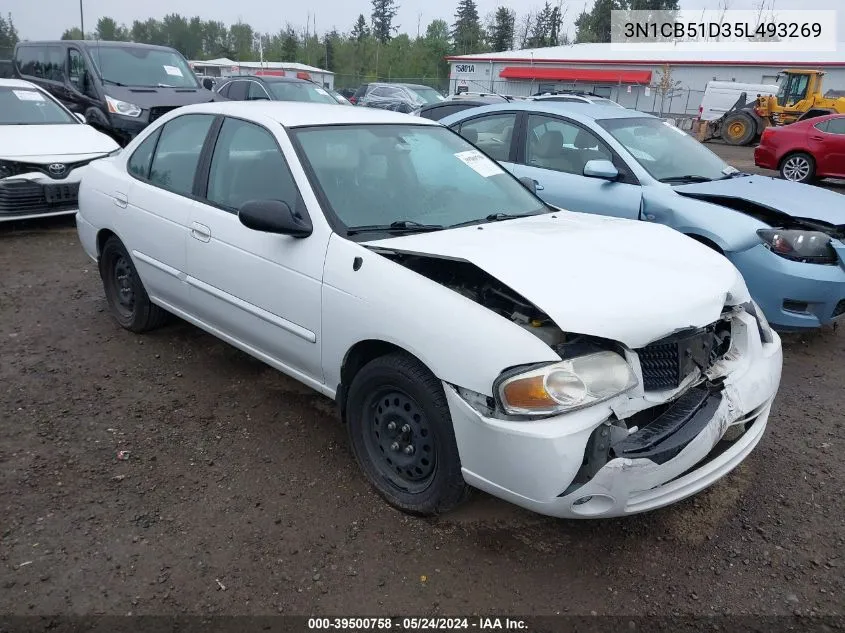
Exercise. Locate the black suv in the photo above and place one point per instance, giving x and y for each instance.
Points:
(119, 87)
(253, 88)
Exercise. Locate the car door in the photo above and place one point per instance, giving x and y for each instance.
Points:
(554, 152)
(79, 92)
(826, 141)
(494, 135)
(154, 205)
(260, 290)
(237, 90)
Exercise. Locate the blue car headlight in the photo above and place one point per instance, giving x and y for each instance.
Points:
(812, 247)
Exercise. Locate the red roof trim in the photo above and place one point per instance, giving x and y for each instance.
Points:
(577, 74)
(640, 62)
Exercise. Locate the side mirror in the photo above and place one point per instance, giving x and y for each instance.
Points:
(529, 184)
(603, 169)
(81, 117)
(274, 216)
(208, 83)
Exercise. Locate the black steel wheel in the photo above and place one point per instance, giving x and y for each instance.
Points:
(125, 293)
(402, 436)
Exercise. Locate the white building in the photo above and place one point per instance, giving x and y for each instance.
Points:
(629, 77)
(224, 67)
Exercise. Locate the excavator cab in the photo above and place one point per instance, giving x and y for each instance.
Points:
(797, 92)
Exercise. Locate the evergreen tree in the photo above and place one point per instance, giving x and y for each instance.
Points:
(8, 32)
(383, 13)
(502, 31)
(466, 31)
(360, 30)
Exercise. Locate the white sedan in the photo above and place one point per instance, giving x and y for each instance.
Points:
(44, 149)
(576, 365)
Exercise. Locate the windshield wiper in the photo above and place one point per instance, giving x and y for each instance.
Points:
(114, 83)
(399, 226)
(498, 217)
(687, 178)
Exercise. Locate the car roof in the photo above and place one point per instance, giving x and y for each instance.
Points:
(95, 44)
(270, 79)
(17, 83)
(583, 112)
(297, 114)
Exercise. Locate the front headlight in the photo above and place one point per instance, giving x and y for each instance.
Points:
(565, 386)
(803, 246)
(117, 106)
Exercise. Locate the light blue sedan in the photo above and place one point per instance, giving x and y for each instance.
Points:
(787, 239)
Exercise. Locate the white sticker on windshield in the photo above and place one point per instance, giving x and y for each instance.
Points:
(322, 92)
(28, 95)
(173, 71)
(479, 163)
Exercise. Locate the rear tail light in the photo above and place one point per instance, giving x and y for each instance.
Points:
(767, 132)
(700, 110)
(353, 100)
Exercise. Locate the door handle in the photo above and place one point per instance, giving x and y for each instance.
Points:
(121, 200)
(200, 232)
(538, 186)
(817, 138)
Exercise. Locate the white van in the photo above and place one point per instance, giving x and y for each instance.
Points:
(719, 96)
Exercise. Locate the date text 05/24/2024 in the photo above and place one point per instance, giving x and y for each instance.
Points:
(417, 624)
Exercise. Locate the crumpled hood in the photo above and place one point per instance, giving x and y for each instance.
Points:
(794, 199)
(52, 141)
(618, 279)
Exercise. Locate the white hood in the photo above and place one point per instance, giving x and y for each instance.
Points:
(42, 143)
(619, 279)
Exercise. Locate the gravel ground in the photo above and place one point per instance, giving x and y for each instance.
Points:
(239, 494)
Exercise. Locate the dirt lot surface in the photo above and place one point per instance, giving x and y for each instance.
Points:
(239, 494)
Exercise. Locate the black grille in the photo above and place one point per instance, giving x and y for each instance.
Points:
(24, 197)
(156, 113)
(665, 363)
(839, 309)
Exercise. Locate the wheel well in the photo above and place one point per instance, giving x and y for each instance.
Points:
(707, 242)
(102, 236)
(793, 153)
(359, 355)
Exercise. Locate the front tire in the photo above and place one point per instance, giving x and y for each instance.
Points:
(128, 301)
(798, 167)
(401, 434)
(739, 129)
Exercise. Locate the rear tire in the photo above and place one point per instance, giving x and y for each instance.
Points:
(798, 167)
(739, 128)
(125, 293)
(401, 434)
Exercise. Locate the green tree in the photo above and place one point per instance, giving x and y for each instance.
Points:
(502, 31)
(437, 47)
(72, 34)
(384, 11)
(8, 32)
(215, 40)
(109, 30)
(290, 44)
(360, 30)
(466, 31)
(241, 41)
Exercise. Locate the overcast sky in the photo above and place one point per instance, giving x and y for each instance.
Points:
(44, 19)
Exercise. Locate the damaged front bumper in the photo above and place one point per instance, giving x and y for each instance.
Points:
(702, 432)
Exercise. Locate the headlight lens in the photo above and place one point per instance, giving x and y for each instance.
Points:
(804, 246)
(122, 107)
(565, 386)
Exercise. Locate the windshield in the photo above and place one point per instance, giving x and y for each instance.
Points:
(428, 95)
(25, 106)
(131, 66)
(300, 91)
(380, 174)
(666, 152)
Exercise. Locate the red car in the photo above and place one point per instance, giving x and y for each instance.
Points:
(805, 150)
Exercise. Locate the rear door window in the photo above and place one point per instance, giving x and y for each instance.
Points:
(237, 90)
(178, 152)
(41, 62)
